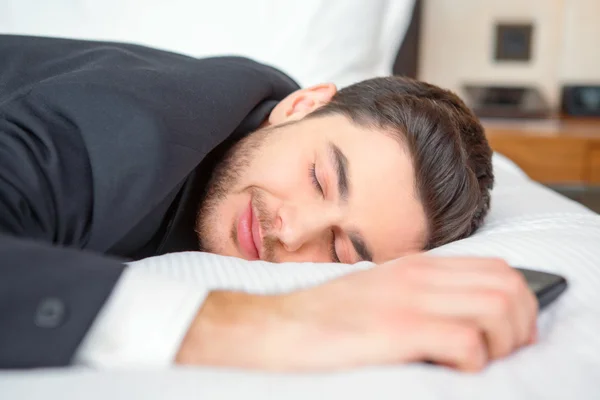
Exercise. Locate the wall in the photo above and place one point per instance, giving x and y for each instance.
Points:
(580, 59)
(457, 43)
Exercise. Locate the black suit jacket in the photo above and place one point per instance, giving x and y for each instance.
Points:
(104, 150)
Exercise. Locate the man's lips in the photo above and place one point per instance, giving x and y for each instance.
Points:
(248, 234)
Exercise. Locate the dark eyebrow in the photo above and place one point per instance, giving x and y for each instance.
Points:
(360, 246)
(340, 163)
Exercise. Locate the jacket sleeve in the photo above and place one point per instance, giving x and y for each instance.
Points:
(50, 289)
(96, 140)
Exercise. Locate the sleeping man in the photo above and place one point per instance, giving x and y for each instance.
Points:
(113, 152)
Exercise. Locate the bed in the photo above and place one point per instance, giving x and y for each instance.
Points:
(529, 225)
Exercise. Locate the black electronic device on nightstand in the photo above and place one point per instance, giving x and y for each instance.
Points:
(581, 100)
(500, 101)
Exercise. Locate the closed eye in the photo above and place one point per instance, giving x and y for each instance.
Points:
(332, 250)
(317, 185)
(315, 180)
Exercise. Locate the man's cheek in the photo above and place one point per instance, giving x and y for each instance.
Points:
(285, 172)
(283, 184)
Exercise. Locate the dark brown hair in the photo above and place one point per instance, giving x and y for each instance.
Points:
(449, 150)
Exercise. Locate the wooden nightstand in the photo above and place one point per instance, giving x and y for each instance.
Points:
(553, 152)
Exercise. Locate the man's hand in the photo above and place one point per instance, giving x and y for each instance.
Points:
(459, 312)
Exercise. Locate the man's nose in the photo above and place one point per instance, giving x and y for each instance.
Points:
(306, 222)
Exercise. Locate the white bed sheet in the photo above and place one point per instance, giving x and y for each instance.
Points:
(529, 226)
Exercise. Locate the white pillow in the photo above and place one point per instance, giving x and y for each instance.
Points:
(313, 40)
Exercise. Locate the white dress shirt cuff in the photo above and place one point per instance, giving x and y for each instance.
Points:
(143, 321)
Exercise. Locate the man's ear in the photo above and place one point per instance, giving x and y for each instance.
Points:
(301, 103)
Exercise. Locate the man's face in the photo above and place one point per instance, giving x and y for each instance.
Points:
(318, 189)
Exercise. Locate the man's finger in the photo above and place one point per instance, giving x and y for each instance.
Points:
(466, 274)
(448, 342)
(493, 312)
(476, 263)
(451, 277)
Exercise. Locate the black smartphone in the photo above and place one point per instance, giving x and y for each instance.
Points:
(547, 287)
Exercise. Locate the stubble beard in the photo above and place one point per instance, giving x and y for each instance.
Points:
(224, 182)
